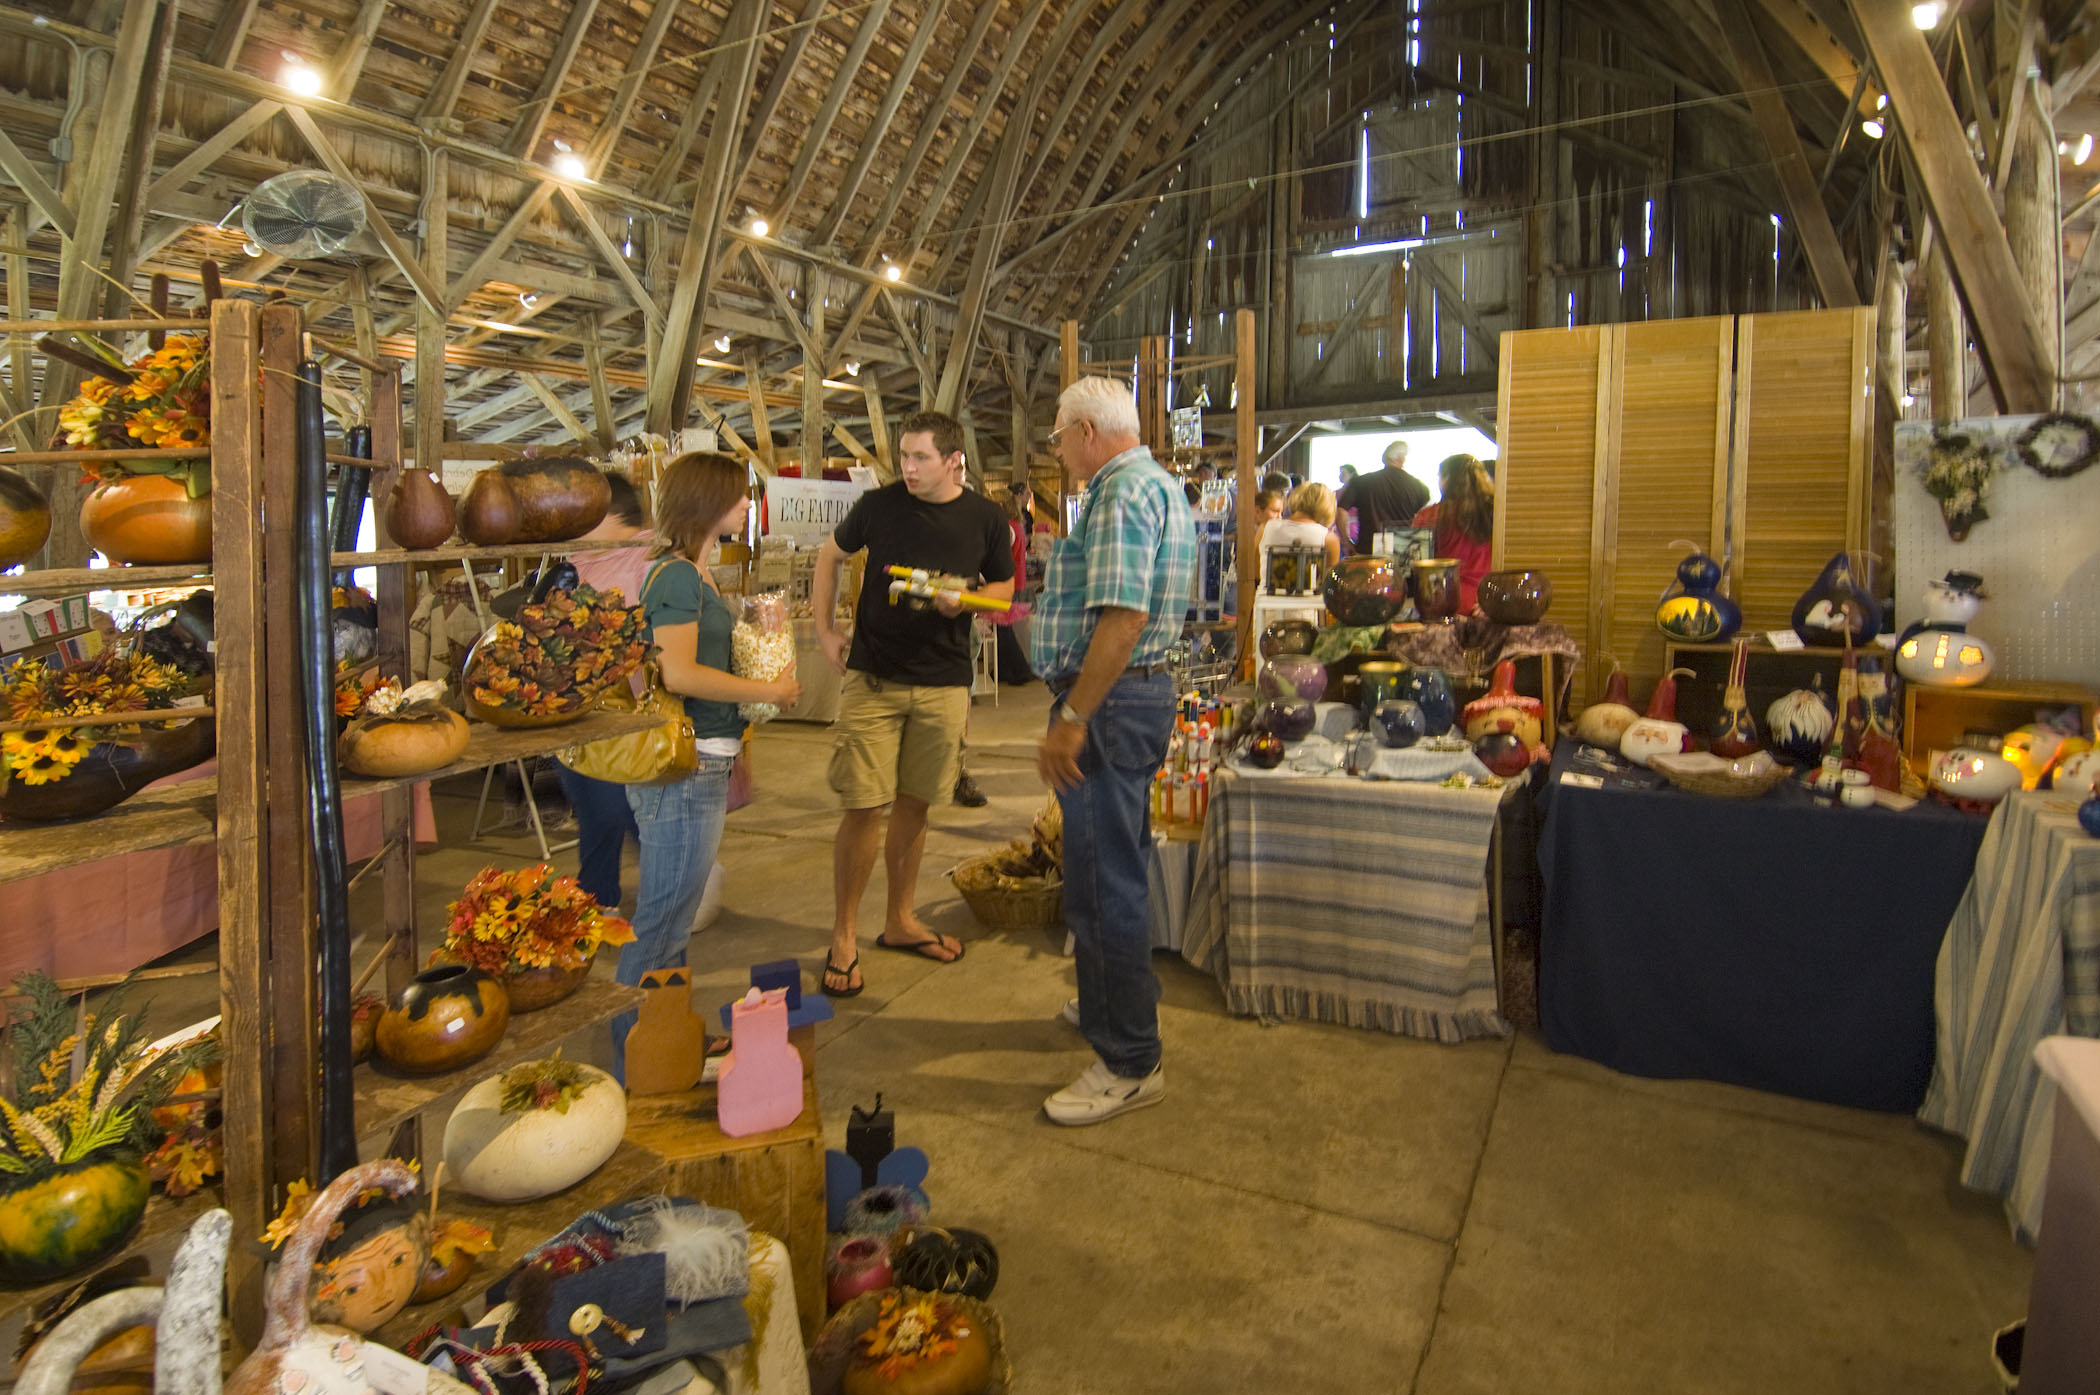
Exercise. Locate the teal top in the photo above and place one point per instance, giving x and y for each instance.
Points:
(674, 595)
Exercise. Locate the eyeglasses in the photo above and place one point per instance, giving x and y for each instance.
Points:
(1058, 435)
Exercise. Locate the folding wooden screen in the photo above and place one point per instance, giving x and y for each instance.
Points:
(1745, 436)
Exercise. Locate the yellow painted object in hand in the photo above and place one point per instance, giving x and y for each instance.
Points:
(923, 586)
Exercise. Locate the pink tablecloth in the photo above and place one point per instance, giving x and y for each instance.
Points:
(111, 915)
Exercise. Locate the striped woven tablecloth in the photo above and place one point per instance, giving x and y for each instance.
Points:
(2021, 961)
(1350, 901)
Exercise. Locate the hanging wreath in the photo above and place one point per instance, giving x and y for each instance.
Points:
(1957, 471)
(2059, 445)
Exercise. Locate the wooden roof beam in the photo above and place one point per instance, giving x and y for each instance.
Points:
(207, 152)
(586, 220)
(349, 62)
(231, 32)
(820, 129)
(1822, 48)
(879, 126)
(525, 136)
(1797, 181)
(639, 65)
(397, 251)
(748, 140)
(466, 48)
(2006, 333)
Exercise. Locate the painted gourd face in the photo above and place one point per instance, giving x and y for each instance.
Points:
(1945, 659)
(1975, 775)
(365, 1286)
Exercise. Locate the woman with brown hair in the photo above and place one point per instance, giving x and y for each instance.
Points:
(1464, 519)
(700, 496)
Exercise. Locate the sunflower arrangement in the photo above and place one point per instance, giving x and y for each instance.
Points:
(527, 919)
(159, 400)
(84, 1085)
(558, 655)
(116, 680)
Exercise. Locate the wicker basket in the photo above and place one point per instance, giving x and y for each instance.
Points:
(1721, 784)
(1008, 903)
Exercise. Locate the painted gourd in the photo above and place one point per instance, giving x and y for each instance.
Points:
(1288, 637)
(558, 498)
(447, 1017)
(112, 772)
(1837, 606)
(1981, 777)
(392, 747)
(489, 515)
(1735, 736)
(70, 1218)
(2079, 774)
(369, 1272)
(1292, 719)
(938, 1260)
(1292, 676)
(1398, 723)
(419, 512)
(1800, 724)
(1515, 597)
(946, 1354)
(1504, 753)
(532, 1153)
(1504, 704)
(1693, 610)
(1603, 723)
(2089, 816)
(149, 520)
(25, 518)
(1265, 751)
(1364, 591)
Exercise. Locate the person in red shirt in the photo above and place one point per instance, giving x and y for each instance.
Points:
(1464, 520)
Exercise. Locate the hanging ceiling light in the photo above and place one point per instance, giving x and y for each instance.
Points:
(894, 272)
(1928, 15)
(852, 369)
(1872, 129)
(760, 227)
(722, 344)
(296, 76)
(569, 165)
(2084, 152)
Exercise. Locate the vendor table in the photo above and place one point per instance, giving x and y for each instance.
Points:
(2021, 962)
(1778, 942)
(1353, 901)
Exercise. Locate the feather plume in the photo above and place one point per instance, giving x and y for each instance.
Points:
(706, 1250)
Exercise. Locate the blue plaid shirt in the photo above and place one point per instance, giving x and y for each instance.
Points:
(1134, 549)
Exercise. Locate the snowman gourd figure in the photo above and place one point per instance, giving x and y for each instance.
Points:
(1940, 652)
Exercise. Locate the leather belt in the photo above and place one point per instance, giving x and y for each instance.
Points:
(1059, 687)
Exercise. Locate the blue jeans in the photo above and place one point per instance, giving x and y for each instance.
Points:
(680, 829)
(604, 820)
(1108, 839)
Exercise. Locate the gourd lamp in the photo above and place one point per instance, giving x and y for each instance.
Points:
(1941, 653)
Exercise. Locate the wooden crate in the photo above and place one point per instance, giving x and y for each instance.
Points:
(774, 1180)
(1936, 719)
(1769, 674)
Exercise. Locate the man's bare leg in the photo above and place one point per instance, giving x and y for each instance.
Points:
(852, 863)
(901, 851)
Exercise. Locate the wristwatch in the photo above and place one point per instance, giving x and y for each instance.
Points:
(1065, 712)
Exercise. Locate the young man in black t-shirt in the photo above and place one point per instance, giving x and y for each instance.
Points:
(907, 691)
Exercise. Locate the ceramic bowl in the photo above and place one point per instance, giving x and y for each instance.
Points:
(1515, 597)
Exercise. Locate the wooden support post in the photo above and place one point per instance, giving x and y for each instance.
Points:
(140, 140)
(397, 870)
(1542, 222)
(1946, 337)
(1152, 394)
(973, 460)
(430, 323)
(243, 805)
(1067, 353)
(761, 424)
(2033, 224)
(19, 307)
(878, 421)
(2015, 354)
(1797, 181)
(607, 431)
(290, 937)
(1283, 156)
(813, 433)
(1892, 310)
(1246, 441)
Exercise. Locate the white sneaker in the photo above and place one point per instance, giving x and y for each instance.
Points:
(1069, 1014)
(1100, 1093)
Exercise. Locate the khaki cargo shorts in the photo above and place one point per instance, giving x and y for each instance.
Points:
(894, 738)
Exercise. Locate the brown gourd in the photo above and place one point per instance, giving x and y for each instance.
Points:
(25, 517)
(489, 514)
(559, 498)
(419, 511)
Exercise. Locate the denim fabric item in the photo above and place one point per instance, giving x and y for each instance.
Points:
(1134, 548)
(680, 831)
(604, 822)
(1108, 830)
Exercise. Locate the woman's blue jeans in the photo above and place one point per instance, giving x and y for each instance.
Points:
(1108, 847)
(604, 821)
(680, 830)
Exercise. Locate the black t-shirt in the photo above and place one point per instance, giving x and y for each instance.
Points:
(966, 537)
(1385, 498)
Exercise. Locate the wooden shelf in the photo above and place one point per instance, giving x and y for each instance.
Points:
(74, 580)
(172, 816)
(164, 1222)
(468, 553)
(631, 1171)
(487, 745)
(383, 1098)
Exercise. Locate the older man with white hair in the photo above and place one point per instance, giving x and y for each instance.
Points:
(1113, 603)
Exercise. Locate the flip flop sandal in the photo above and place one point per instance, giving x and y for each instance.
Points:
(845, 973)
(920, 948)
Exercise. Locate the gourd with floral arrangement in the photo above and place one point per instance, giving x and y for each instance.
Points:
(551, 663)
(79, 1117)
(534, 932)
(395, 731)
(143, 510)
(61, 772)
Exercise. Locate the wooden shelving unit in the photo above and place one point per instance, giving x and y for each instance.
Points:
(254, 810)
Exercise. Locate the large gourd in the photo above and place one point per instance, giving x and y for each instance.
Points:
(25, 517)
(489, 515)
(559, 498)
(1603, 723)
(419, 511)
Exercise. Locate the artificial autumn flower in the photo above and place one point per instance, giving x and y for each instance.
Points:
(113, 681)
(558, 655)
(528, 919)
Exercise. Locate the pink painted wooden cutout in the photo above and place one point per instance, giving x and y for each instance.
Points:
(761, 1081)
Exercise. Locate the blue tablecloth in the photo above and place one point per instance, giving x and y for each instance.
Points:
(1777, 943)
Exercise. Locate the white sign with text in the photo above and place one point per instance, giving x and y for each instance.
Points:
(807, 510)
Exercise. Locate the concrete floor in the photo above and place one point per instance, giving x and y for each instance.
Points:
(1319, 1208)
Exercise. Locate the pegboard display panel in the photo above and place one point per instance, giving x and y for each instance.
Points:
(2038, 554)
